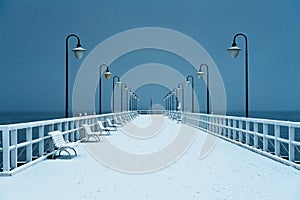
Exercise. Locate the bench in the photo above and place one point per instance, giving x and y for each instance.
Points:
(61, 145)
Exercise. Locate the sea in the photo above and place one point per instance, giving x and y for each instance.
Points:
(275, 115)
(22, 117)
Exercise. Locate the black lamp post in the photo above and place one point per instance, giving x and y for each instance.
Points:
(131, 100)
(170, 95)
(107, 76)
(182, 87)
(137, 98)
(234, 51)
(188, 82)
(200, 74)
(166, 105)
(169, 102)
(176, 98)
(126, 98)
(172, 100)
(78, 52)
(119, 83)
(122, 98)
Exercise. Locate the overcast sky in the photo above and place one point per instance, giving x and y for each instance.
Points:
(33, 48)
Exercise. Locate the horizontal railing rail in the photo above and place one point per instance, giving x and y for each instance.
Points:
(279, 140)
(24, 144)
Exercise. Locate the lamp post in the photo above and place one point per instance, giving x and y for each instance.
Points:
(169, 102)
(126, 97)
(122, 99)
(188, 82)
(134, 101)
(131, 100)
(137, 100)
(78, 52)
(119, 83)
(200, 74)
(172, 100)
(182, 87)
(176, 98)
(107, 76)
(234, 51)
(165, 99)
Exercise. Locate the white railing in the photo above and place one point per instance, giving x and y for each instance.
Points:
(279, 140)
(24, 144)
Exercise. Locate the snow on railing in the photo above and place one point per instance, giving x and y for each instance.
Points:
(24, 144)
(279, 140)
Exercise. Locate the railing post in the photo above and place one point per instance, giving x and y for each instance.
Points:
(59, 126)
(210, 120)
(202, 122)
(14, 152)
(82, 132)
(94, 122)
(198, 122)
(214, 125)
(29, 146)
(255, 127)
(240, 131)
(234, 131)
(72, 137)
(291, 146)
(211, 124)
(51, 145)
(206, 123)
(51, 127)
(66, 128)
(247, 133)
(277, 143)
(41, 143)
(77, 131)
(265, 139)
(224, 128)
(219, 128)
(6, 151)
(229, 128)
(86, 121)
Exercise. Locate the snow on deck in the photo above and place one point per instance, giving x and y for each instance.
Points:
(228, 172)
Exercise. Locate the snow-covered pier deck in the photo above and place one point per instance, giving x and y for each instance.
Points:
(151, 169)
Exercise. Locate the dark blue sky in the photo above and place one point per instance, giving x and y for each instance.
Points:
(33, 47)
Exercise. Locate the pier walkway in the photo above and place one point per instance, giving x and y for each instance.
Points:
(228, 171)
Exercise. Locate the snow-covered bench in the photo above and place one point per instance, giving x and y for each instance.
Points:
(61, 144)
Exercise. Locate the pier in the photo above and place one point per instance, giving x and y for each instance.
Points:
(230, 168)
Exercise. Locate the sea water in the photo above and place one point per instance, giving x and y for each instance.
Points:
(275, 115)
(21, 117)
